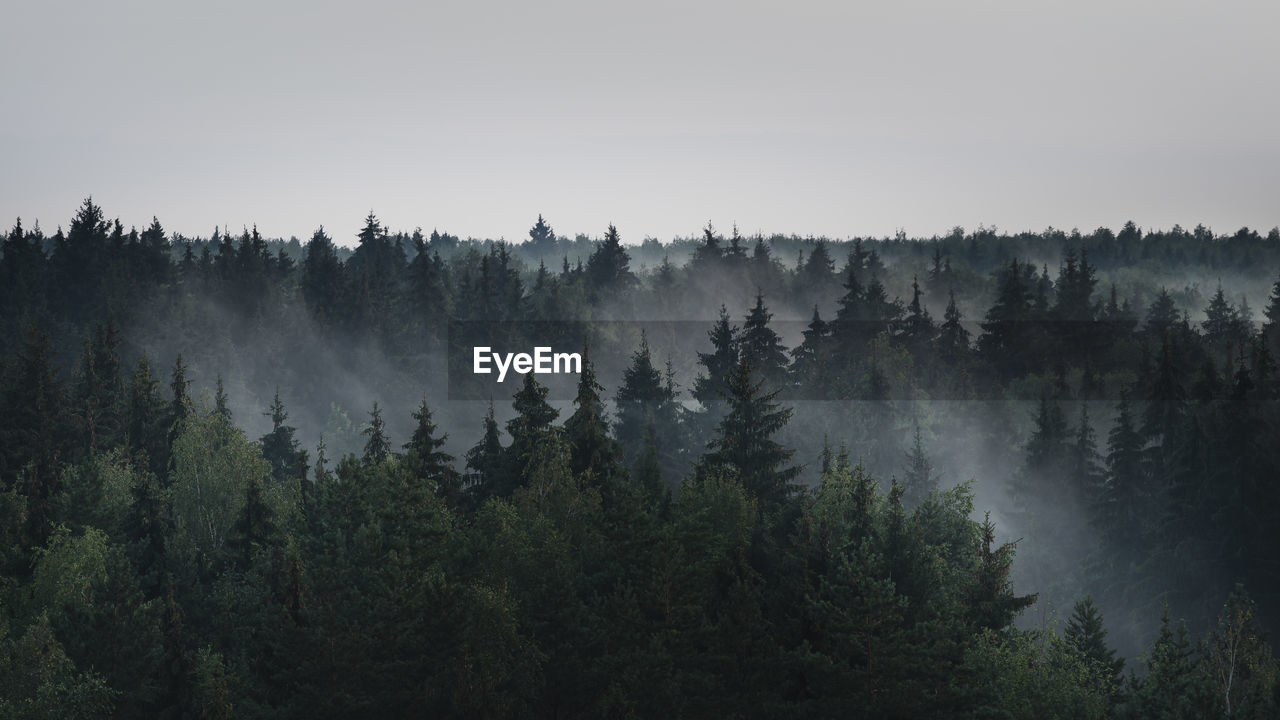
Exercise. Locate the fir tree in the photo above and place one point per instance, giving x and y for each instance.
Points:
(712, 382)
(484, 460)
(288, 460)
(528, 429)
(608, 267)
(587, 430)
(918, 480)
(426, 459)
(378, 447)
(811, 359)
(744, 439)
(1086, 633)
(953, 338)
(762, 347)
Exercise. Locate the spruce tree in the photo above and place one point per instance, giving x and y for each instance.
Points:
(528, 429)
(953, 338)
(762, 347)
(587, 430)
(744, 439)
(378, 447)
(992, 605)
(918, 480)
(288, 460)
(608, 267)
(426, 459)
(811, 359)
(647, 413)
(1124, 494)
(717, 365)
(148, 429)
(484, 460)
(1087, 635)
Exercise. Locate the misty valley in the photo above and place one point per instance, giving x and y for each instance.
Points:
(407, 474)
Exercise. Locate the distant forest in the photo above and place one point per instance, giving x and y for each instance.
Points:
(981, 475)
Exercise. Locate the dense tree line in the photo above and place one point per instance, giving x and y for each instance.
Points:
(667, 547)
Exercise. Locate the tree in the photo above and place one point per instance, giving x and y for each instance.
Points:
(528, 429)
(762, 347)
(811, 359)
(711, 383)
(288, 460)
(1271, 326)
(542, 239)
(1123, 495)
(744, 439)
(918, 479)
(992, 603)
(1086, 633)
(378, 447)
(953, 338)
(591, 449)
(608, 267)
(1004, 341)
(484, 460)
(1240, 662)
(148, 427)
(427, 460)
(917, 328)
(648, 414)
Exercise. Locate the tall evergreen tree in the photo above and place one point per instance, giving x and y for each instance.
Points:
(288, 460)
(744, 440)
(587, 430)
(528, 429)
(378, 447)
(426, 459)
(1086, 633)
(608, 268)
(762, 347)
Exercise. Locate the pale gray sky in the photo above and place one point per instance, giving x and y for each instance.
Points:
(834, 118)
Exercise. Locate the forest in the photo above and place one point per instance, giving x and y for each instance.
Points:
(979, 475)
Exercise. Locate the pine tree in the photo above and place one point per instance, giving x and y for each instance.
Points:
(1123, 496)
(148, 429)
(220, 406)
(1168, 689)
(647, 413)
(1163, 314)
(484, 460)
(1221, 321)
(1271, 326)
(918, 480)
(1084, 459)
(992, 604)
(1005, 330)
(708, 255)
(744, 439)
(288, 460)
(953, 338)
(811, 359)
(426, 459)
(608, 267)
(1087, 635)
(917, 328)
(762, 347)
(710, 386)
(587, 430)
(542, 239)
(378, 447)
(528, 429)
(254, 528)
